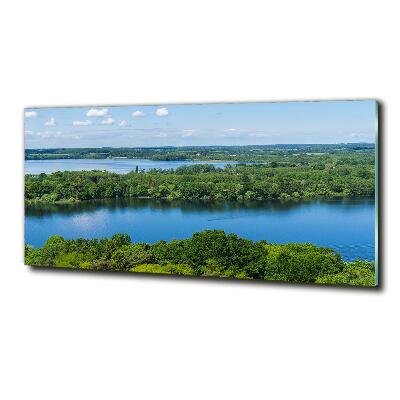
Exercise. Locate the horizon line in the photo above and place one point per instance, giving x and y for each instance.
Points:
(217, 145)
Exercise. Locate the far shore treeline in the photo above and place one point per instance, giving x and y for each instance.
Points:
(249, 153)
(339, 173)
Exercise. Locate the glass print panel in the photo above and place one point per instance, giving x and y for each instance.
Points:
(281, 191)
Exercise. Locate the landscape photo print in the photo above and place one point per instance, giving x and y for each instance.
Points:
(272, 191)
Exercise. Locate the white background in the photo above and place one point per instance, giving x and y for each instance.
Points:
(98, 336)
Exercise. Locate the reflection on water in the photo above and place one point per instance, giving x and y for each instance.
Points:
(41, 209)
(344, 224)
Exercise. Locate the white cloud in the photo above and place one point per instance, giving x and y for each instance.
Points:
(255, 134)
(107, 121)
(49, 134)
(82, 123)
(50, 122)
(123, 123)
(261, 134)
(97, 112)
(232, 134)
(30, 114)
(160, 135)
(29, 133)
(355, 135)
(138, 114)
(187, 132)
(230, 130)
(162, 112)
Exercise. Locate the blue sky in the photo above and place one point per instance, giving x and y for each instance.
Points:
(202, 124)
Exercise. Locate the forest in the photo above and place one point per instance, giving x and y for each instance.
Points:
(251, 153)
(209, 253)
(337, 175)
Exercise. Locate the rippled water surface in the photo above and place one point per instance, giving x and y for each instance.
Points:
(346, 225)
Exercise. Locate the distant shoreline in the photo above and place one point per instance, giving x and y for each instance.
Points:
(202, 146)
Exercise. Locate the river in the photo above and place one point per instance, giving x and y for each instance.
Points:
(117, 165)
(347, 225)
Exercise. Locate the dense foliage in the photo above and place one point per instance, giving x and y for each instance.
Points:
(208, 253)
(359, 273)
(305, 177)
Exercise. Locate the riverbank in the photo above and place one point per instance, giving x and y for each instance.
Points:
(45, 200)
(346, 225)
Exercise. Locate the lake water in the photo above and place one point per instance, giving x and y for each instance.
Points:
(117, 165)
(346, 225)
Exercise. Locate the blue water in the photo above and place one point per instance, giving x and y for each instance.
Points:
(348, 225)
(117, 165)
